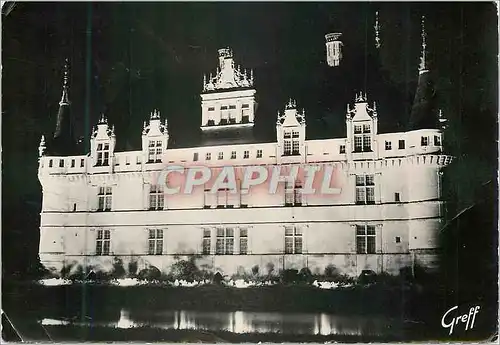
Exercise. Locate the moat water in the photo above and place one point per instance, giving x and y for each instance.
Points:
(244, 322)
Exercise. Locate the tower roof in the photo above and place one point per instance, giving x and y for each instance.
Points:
(423, 110)
(63, 141)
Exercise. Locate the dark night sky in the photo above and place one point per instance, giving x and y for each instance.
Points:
(153, 55)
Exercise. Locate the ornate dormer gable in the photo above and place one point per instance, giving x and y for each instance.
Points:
(228, 75)
(154, 138)
(102, 143)
(228, 99)
(291, 130)
(362, 124)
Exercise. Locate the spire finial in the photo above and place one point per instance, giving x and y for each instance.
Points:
(64, 96)
(423, 54)
(251, 76)
(41, 147)
(155, 114)
(377, 31)
(103, 119)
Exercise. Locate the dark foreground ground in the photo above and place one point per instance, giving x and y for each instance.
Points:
(419, 308)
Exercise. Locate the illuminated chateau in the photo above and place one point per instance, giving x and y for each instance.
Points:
(108, 204)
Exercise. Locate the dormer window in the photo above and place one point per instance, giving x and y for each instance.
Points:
(102, 154)
(208, 156)
(342, 149)
(362, 138)
(155, 151)
(291, 143)
(388, 145)
(424, 141)
(221, 155)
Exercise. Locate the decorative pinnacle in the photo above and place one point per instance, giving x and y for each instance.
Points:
(291, 104)
(103, 119)
(377, 31)
(66, 73)
(64, 96)
(360, 97)
(423, 55)
(442, 120)
(41, 147)
(155, 115)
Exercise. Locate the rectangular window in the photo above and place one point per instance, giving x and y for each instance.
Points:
(206, 241)
(102, 154)
(291, 143)
(233, 154)
(293, 240)
(50, 163)
(155, 151)
(287, 147)
(225, 241)
(156, 197)
(342, 149)
(72, 163)
(362, 138)
(365, 189)
(195, 156)
(295, 147)
(424, 141)
(155, 242)
(397, 197)
(221, 155)
(243, 241)
(104, 199)
(82, 163)
(246, 154)
(358, 143)
(367, 144)
(61, 163)
(259, 153)
(232, 107)
(388, 145)
(401, 144)
(437, 140)
(245, 106)
(208, 156)
(398, 239)
(365, 239)
(211, 108)
(103, 244)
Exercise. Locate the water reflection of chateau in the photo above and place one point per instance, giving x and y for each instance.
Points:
(259, 322)
(106, 204)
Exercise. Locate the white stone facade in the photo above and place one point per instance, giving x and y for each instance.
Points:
(109, 204)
